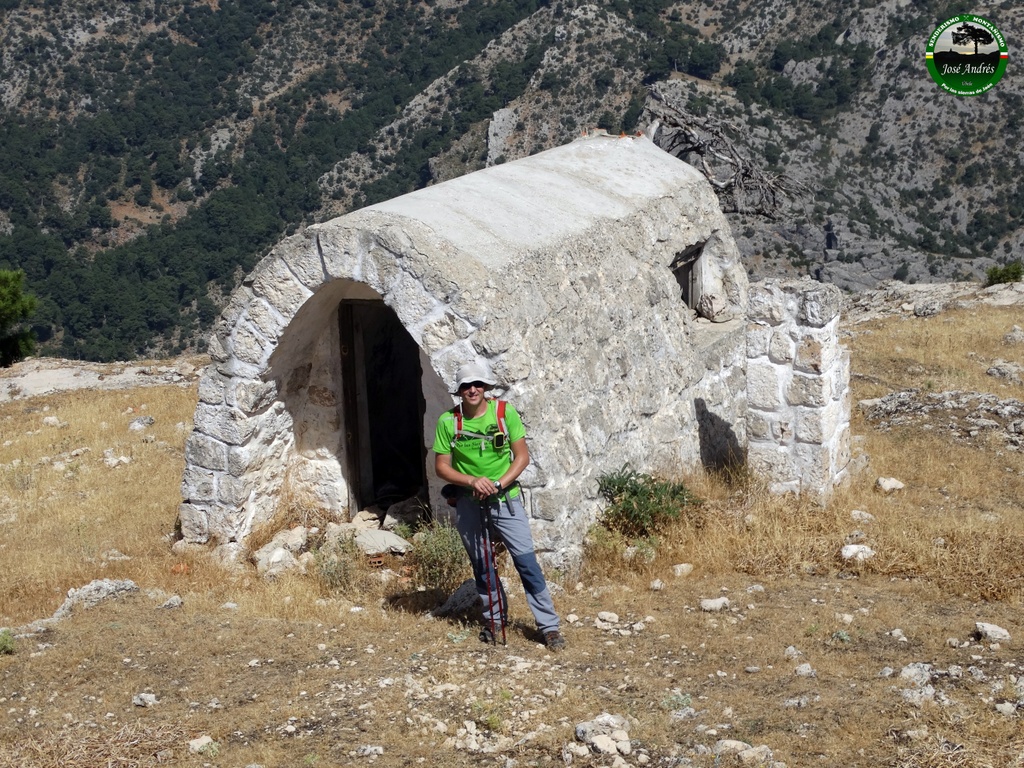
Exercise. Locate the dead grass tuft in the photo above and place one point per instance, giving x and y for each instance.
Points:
(133, 746)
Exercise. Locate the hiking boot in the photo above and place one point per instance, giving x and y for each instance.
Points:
(486, 636)
(554, 640)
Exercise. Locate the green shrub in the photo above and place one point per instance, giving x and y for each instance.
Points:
(641, 505)
(6, 643)
(339, 565)
(439, 558)
(1009, 273)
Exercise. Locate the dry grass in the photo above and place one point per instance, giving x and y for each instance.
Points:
(298, 674)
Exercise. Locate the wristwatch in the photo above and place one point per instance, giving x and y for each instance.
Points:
(497, 484)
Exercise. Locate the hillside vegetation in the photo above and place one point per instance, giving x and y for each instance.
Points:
(150, 153)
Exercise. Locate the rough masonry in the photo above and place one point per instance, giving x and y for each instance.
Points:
(574, 274)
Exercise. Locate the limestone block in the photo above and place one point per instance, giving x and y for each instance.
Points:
(233, 491)
(267, 450)
(341, 249)
(773, 461)
(758, 337)
(819, 304)
(198, 484)
(267, 321)
(781, 348)
(212, 387)
(251, 396)
(764, 386)
(767, 303)
(809, 391)
(813, 467)
(841, 450)
(442, 332)
(218, 346)
(205, 452)
(550, 504)
(273, 281)
(814, 357)
(380, 269)
(782, 431)
(228, 425)
(410, 301)
(239, 302)
(249, 346)
(759, 426)
(818, 425)
(194, 522)
(301, 254)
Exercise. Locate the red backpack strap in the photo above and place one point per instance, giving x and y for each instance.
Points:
(501, 417)
(457, 412)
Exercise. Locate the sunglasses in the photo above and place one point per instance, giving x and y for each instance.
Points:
(473, 384)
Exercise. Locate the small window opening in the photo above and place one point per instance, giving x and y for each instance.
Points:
(686, 268)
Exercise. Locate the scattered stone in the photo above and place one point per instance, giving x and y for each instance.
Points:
(657, 585)
(805, 670)
(1015, 336)
(682, 569)
(991, 632)
(145, 700)
(608, 617)
(202, 745)
(714, 605)
(858, 552)
(381, 542)
(94, 593)
(889, 485)
(862, 517)
(792, 653)
(140, 423)
(174, 601)
(464, 600)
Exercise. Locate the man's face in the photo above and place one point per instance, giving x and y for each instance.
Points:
(472, 392)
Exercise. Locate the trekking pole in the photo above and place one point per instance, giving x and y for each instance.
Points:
(492, 567)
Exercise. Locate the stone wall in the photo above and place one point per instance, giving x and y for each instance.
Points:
(798, 396)
(556, 270)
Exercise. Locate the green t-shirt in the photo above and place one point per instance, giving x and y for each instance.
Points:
(477, 456)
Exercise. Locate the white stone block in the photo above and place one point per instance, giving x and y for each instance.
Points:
(819, 304)
(781, 348)
(206, 452)
(809, 391)
(198, 484)
(266, 320)
(274, 282)
(764, 386)
(766, 303)
(225, 424)
(212, 386)
(249, 346)
(193, 519)
(251, 396)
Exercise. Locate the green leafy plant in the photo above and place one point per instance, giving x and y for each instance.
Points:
(338, 564)
(1008, 273)
(641, 505)
(6, 643)
(439, 558)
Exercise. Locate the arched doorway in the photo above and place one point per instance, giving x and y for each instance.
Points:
(383, 403)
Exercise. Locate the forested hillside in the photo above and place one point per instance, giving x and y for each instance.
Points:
(151, 152)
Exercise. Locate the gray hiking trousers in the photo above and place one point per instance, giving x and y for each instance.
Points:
(509, 525)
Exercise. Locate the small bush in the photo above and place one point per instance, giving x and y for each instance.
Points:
(1010, 273)
(339, 565)
(439, 558)
(6, 643)
(641, 505)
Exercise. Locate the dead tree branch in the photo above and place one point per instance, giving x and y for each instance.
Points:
(742, 186)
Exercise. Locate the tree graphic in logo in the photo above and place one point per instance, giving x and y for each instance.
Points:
(966, 55)
(965, 34)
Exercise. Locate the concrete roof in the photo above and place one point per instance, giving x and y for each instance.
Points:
(542, 199)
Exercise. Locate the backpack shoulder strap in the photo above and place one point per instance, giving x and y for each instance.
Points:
(501, 417)
(457, 413)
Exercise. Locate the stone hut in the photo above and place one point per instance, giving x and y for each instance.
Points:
(575, 274)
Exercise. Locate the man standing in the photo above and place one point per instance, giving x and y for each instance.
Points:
(481, 448)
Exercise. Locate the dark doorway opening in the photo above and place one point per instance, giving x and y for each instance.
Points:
(686, 268)
(383, 402)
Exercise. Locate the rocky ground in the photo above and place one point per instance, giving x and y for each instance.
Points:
(831, 663)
